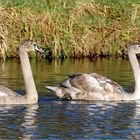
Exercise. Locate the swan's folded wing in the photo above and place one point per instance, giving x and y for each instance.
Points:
(4, 91)
(92, 83)
(107, 83)
(83, 82)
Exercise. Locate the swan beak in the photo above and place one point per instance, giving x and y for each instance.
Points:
(37, 48)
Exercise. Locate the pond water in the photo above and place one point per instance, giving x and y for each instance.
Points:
(57, 119)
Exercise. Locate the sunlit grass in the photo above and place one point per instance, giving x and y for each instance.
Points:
(75, 28)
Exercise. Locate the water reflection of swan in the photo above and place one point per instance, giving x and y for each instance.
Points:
(29, 122)
(7, 96)
(96, 87)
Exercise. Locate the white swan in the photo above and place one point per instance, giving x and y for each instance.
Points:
(96, 87)
(7, 96)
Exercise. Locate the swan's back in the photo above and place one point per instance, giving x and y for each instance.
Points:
(4, 91)
(81, 82)
(107, 83)
(91, 82)
(89, 87)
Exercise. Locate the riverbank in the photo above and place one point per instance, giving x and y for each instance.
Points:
(79, 28)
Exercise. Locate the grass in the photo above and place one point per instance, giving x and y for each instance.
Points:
(70, 28)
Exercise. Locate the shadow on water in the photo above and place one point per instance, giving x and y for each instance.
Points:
(53, 118)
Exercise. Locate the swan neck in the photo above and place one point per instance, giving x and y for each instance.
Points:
(31, 92)
(136, 70)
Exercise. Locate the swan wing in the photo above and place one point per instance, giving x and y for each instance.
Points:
(83, 82)
(88, 87)
(4, 91)
(91, 83)
(108, 84)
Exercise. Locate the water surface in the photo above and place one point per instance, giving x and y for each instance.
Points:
(53, 118)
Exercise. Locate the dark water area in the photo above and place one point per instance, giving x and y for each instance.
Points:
(57, 119)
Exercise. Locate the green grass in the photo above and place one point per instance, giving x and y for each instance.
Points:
(70, 28)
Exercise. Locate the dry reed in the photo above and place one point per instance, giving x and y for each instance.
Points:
(84, 28)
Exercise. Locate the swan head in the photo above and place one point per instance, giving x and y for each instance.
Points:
(28, 46)
(134, 48)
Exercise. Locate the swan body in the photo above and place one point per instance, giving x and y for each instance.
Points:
(7, 96)
(97, 87)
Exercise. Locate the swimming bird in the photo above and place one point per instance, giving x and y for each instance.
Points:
(97, 87)
(7, 96)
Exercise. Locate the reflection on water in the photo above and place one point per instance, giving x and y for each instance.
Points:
(58, 119)
(29, 122)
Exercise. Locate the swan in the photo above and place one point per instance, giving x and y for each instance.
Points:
(97, 87)
(7, 96)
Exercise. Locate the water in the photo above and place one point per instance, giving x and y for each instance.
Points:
(62, 120)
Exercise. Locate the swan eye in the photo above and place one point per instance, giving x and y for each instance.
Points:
(32, 43)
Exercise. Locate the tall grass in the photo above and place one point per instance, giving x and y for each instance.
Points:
(70, 28)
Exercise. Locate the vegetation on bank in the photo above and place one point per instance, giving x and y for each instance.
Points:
(70, 28)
